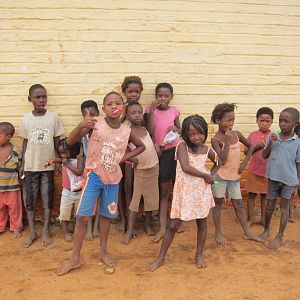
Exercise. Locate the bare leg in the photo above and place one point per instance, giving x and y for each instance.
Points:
(168, 238)
(148, 228)
(67, 236)
(291, 211)
(79, 234)
(46, 234)
(284, 209)
(128, 184)
(89, 234)
(268, 216)
(216, 213)
(17, 233)
(96, 232)
(263, 208)
(250, 207)
(32, 234)
(201, 238)
(121, 206)
(130, 230)
(164, 191)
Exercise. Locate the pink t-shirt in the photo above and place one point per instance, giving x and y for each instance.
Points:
(163, 119)
(107, 147)
(257, 164)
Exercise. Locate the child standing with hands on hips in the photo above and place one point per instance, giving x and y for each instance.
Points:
(106, 150)
(283, 171)
(161, 118)
(192, 195)
(226, 143)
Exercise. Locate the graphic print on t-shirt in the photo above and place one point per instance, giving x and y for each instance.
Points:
(39, 136)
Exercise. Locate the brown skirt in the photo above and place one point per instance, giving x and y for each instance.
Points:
(146, 185)
(256, 184)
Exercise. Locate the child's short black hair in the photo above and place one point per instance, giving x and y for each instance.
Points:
(35, 87)
(265, 111)
(112, 93)
(221, 109)
(293, 112)
(132, 103)
(164, 85)
(74, 149)
(7, 128)
(297, 129)
(88, 104)
(200, 125)
(131, 79)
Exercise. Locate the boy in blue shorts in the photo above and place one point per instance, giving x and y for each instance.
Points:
(283, 171)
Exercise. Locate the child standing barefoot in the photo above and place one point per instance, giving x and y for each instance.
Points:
(107, 147)
(192, 195)
(283, 171)
(161, 118)
(256, 182)
(10, 194)
(227, 145)
(72, 169)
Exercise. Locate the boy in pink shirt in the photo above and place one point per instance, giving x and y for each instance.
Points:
(256, 182)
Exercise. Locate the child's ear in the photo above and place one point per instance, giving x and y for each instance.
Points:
(103, 109)
(29, 98)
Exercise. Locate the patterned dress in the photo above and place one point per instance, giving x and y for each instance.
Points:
(192, 196)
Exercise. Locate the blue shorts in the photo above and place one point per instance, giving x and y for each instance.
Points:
(232, 186)
(93, 186)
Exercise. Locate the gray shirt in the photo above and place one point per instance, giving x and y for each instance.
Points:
(282, 160)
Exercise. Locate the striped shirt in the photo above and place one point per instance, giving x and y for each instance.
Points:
(9, 180)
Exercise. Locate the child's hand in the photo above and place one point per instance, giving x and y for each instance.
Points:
(58, 169)
(158, 150)
(208, 179)
(241, 168)
(48, 163)
(135, 162)
(88, 122)
(155, 103)
(173, 128)
(64, 161)
(21, 171)
(227, 138)
(273, 138)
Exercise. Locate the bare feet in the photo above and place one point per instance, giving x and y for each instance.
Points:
(159, 236)
(17, 234)
(276, 243)
(68, 237)
(88, 236)
(67, 267)
(149, 230)
(156, 264)
(220, 240)
(96, 232)
(107, 260)
(31, 238)
(251, 236)
(200, 261)
(122, 226)
(127, 237)
(265, 234)
(46, 238)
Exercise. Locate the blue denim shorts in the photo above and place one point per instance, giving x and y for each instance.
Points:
(108, 204)
(232, 186)
(279, 189)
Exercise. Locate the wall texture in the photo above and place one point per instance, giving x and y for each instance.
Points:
(211, 51)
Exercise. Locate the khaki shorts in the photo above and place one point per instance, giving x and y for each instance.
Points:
(69, 200)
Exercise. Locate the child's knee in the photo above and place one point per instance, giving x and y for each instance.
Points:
(238, 204)
(82, 219)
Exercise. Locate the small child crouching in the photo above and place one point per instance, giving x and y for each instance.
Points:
(10, 193)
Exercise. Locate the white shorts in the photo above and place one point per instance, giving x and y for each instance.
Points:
(68, 201)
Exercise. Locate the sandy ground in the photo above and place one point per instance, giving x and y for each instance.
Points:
(239, 270)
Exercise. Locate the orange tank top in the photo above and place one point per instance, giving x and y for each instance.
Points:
(106, 149)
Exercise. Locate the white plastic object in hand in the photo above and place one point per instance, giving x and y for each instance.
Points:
(170, 137)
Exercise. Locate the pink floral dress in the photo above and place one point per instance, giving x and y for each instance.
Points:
(192, 196)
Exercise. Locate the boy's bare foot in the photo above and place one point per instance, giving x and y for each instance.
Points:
(68, 237)
(107, 260)
(127, 237)
(220, 240)
(149, 230)
(251, 236)
(31, 238)
(96, 232)
(265, 234)
(88, 236)
(67, 267)
(17, 234)
(159, 236)
(200, 261)
(291, 219)
(122, 226)
(156, 264)
(46, 238)
(276, 243)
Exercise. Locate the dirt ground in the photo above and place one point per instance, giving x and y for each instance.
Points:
(239, 270)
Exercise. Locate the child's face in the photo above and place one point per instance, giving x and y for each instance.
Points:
(113, 106)
(91, 111)
(62, 153)
(264, 122)
(133, 92)
(4, 138)
(286, 122)
(135, 114)
(226, 123)
(195, 137)
(38, 98)
(163, 97)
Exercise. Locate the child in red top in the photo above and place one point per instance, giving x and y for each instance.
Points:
(256, 182)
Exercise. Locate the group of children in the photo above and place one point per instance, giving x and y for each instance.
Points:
(112, 164)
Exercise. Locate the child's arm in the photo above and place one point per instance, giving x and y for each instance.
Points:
(221, 152)
(77, 170)
(24, 147)
(212, 155)
(250, 147)
(176, 127)
(140, 147)
(271, 139)
(187, 168)
(149, 118)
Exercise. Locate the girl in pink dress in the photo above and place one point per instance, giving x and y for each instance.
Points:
(192, 195)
